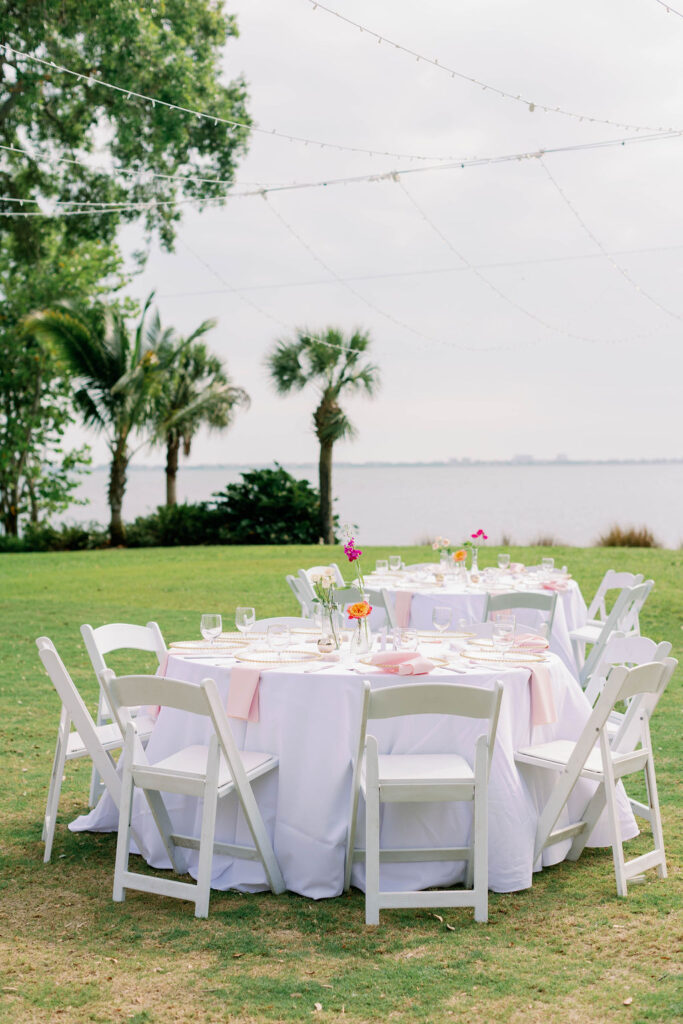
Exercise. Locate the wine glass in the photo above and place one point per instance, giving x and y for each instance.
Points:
(503, 635)
(381, 565)
(394, 562)
(441, 618)
(278, 638)
(210, 627)
(503, 560)
(245, 619)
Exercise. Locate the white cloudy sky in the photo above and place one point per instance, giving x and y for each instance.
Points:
(471, 374)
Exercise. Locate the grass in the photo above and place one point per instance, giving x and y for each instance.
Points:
(566, 950)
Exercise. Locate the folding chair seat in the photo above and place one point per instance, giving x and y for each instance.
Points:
(117, 636)
(87, 740)
(592, 757)
(418, 778)
(209, 772)
(623, 619)
(514, 601)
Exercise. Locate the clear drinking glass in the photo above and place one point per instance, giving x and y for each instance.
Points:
(245, 619)
(381, 565)
(547, 566)
(394, 562)
(408, 639)
(441, 618)
(210, 627)
(503, 635)
(503, 561)
(278, 638)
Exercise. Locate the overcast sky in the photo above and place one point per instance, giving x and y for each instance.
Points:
(581, 353)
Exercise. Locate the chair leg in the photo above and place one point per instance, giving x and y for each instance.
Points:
(372, 855)
(480, 832)
(201, 907)
(613, 815)
(655, 816)
(125, 809)
(96, 787)
(54, 792)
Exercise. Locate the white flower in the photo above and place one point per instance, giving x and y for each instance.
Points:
(326, 582)
(316, 577)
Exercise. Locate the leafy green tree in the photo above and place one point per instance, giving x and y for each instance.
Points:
(117, 377)
(333, 364)
(71, 140)
(197, 392)
(269, 506)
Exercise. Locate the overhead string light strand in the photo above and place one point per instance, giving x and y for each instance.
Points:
(617, 266)
(530, 104)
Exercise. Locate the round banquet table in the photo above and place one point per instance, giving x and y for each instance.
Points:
(310, 721)
(468, 602)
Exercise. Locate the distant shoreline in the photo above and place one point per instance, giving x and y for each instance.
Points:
(449, 464)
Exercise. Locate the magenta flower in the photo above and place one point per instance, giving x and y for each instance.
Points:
(479, 534)
(351, 552)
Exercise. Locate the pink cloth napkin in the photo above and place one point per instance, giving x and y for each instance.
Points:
(402, 603)
(543, 710)
(243, 699)
(402, 663)
(555, 585)
(531, 642)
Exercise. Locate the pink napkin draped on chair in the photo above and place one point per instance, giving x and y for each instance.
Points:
(402, 663)
(402, 603)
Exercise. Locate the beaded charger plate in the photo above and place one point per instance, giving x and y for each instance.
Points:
(291, 657)
(204, 645)
(438, 662)
(542, 645)
(429, 636)
(520, 659)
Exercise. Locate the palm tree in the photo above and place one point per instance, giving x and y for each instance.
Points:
(196, 391)
(333, 364)
(116, 378)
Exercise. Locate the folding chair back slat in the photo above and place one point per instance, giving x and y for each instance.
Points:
(622, 619)
(509, 602)
(612, 580)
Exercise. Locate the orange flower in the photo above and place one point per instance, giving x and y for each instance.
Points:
(460, 555)
(360, 610)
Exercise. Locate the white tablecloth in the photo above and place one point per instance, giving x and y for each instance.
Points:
(469, 603)
(311, 721)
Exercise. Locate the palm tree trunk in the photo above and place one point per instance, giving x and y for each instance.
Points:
(117, 487)
(172, 447)
(325, 481)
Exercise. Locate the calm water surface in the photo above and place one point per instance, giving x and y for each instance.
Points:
(410, 504)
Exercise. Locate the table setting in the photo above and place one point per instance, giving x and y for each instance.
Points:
(285, 695)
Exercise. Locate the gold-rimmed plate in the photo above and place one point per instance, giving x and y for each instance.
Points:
(431, 636)
(203, 645)
(513, 658)
(542, 645)
(289, 657)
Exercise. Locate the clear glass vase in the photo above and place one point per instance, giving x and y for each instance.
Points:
(361, 638)
(474, 567)
(330, 626)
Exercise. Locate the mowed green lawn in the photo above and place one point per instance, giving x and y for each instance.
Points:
(566, 950)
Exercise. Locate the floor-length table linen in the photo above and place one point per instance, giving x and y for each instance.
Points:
(311, 722)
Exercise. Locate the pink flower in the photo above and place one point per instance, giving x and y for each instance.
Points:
(479, 534)
(351, 552)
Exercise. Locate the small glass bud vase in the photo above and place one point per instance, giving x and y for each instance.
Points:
(330, 629)
(444, 560)
(474, 568)
(361, 638)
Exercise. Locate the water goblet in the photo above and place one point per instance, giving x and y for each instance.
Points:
(394, 562)
(547, 566)
(210, 627)
(441, 618)
(245, 619)
(408, 639)
(503, 560)
(278, 638)
(503, 635)
(503, 616)
(381, 565)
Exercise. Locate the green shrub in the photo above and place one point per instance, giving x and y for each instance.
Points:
(172, 525)
(270, 506)
(43, 537)
(627, 537)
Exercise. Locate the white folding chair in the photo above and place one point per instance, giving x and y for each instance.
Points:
(301, 593)
(415, 778)
(293, 621)
(592, 757)
(612, 580)
(512, 601)
(87, 740)
(379, 599)
(623, 618)
(317, 570)
(117, 636)
(208, 772)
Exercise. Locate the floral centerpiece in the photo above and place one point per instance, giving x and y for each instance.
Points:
(358, 612)
(442, 545)
(473, 545)
(323, 588)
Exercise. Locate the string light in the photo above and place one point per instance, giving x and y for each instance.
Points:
(668, 8)
(231, 122)
(494, 288)
(617, 266)
(454, 73)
